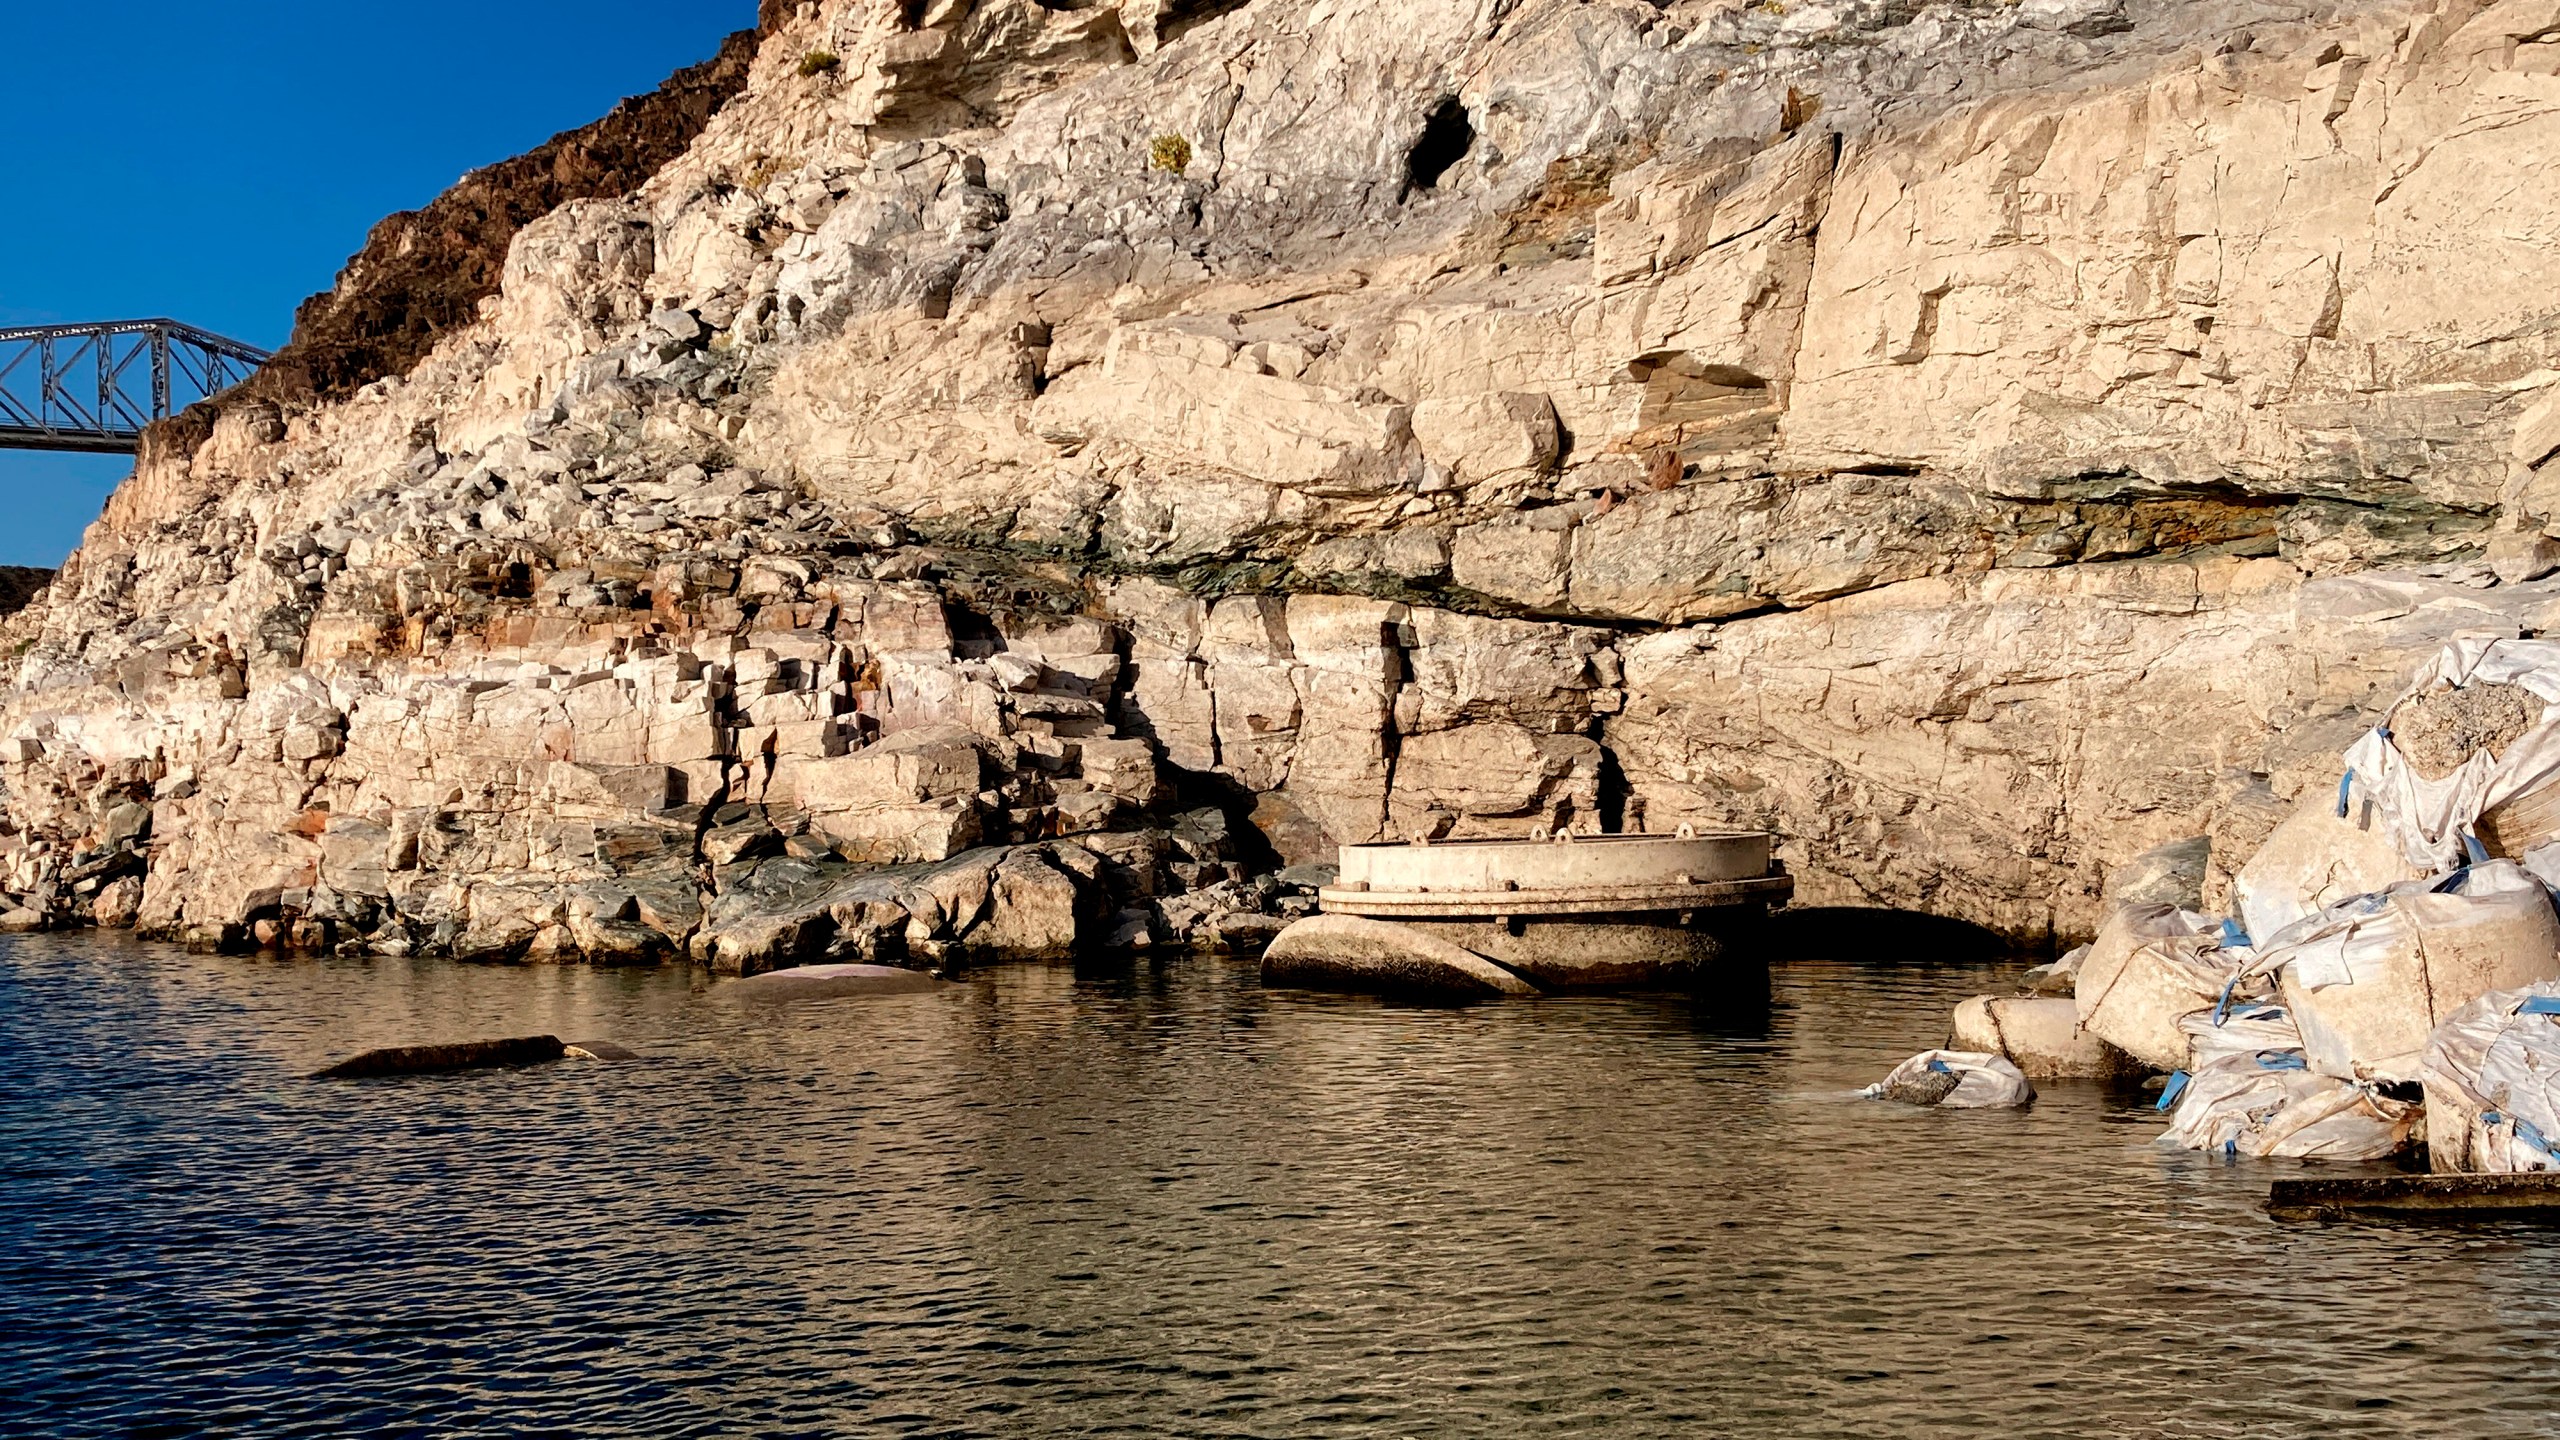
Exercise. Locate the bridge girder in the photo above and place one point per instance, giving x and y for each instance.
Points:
(93, 387)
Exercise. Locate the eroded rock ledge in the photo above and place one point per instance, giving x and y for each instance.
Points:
(1980, 443)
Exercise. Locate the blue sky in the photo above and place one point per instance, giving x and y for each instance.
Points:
(218, 162)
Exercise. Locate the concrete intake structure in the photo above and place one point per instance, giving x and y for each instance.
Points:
(1574, 912)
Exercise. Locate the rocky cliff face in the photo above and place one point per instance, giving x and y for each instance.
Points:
(1977, 441)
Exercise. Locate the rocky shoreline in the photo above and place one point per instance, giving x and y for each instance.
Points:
(892, 496)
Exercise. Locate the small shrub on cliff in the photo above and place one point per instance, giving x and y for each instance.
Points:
(762, 168)
(818, 62)
(1169, 153)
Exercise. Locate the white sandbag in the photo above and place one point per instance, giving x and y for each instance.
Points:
(2428, 820)
(2492, 1081)
(2041, 1035)
(2367, 981)
(2060, 977)
(2542, 862)
(1954, 1080)
(2150, 967)
(2316, 858)
(2237, 1030)
(2268, 1103)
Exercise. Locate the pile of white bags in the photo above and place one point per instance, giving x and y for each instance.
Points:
(2269, 1103)
(2253, 1092)
(1954, 1080)
(2389, 943)
(2242, 1030)
(2369, 979)
(2492, 1080)
(2152, 966)
(2430, 821)
(2330, 849)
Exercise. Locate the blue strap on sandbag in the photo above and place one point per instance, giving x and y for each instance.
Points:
(1938, 1066)
(2231, 936)
(2475, 853)
(2282, 1060)
(2523, 1129)
(2170, 1090)
(2540, 1005)
(2222, 1006)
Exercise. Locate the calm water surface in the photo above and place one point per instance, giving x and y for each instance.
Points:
(1162, 1202)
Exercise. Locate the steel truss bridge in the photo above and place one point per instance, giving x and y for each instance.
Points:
(93, 387)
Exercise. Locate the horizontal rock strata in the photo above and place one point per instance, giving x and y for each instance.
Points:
(1017, 471)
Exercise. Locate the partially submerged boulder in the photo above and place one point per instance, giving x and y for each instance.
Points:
(598, 1050)
(2041, 1035)
(1349, 952)
(462, 1055)
(1585, 954)
(823, 982)
(999, 903)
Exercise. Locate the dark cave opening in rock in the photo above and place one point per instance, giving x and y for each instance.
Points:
(1180, 17)
(1878, 936)
(1447, 136)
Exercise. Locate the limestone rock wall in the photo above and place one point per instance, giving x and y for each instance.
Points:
(1979, 441)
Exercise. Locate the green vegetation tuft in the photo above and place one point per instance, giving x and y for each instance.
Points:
(1169, 153)
(818, 62)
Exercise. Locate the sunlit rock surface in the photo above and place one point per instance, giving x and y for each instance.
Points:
(1979, 442)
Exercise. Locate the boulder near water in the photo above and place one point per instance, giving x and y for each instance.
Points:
(2041, 1035)
(824, 982)
(460, 1055)
(598, 1050)
(1350, 952)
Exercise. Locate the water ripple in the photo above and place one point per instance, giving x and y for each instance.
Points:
(1156, 1203)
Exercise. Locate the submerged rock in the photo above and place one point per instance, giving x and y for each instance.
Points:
(598, 1050)
(822, 982)
(462, 1055)
(1347, 952)
(1588, 954)
(2041, 1035)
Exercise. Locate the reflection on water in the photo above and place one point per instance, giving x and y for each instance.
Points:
(1160, 1202)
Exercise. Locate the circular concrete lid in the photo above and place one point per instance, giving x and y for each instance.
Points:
(1599, 860)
